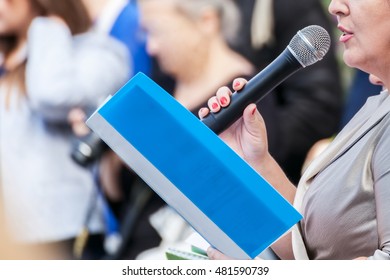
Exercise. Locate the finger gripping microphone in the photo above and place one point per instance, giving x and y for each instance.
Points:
(307, 47)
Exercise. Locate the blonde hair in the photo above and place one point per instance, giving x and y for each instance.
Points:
(229, 15)
(227, 10)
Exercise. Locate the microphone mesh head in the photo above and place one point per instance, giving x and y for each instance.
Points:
(310, 44)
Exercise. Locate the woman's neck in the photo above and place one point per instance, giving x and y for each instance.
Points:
(221, 67)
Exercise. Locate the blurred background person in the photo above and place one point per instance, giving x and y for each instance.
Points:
(120, 19)
(11, 250)
(309, 104)
(203, 45)
(192, 42)
(216, 56)
(128, 199)
(51, 64)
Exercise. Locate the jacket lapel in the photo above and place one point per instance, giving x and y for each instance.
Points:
(346, 140)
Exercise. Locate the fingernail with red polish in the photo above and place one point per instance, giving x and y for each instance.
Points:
(214, 106)
(254, 111)
(236, 84)
(223, 100)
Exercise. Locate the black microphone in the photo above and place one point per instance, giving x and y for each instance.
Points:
(308, 46)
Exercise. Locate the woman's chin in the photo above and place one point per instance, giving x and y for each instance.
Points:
(352, 61)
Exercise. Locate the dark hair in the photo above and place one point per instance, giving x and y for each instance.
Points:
(73, 12)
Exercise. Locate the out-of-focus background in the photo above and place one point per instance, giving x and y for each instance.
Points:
(61, 59)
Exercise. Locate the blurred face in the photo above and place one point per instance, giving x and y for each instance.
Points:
(15, 17)
(365, 25)
(175, 40)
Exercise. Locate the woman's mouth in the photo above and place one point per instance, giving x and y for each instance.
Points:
(347, 35)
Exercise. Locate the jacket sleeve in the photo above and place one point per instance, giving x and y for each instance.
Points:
(65, 71)
(381, 174)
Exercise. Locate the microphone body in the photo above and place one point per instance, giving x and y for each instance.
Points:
(258, 87)
(308, 46)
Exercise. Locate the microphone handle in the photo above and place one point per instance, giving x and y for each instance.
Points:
(258, 87)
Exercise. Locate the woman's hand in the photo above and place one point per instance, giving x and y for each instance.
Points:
(214, 254)
(247, 136)
(110, 164)
(361, 259)
(76, 119)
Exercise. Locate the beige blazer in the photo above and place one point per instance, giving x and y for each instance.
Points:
(367, 119)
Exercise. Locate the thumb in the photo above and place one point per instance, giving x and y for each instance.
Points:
(253, 121)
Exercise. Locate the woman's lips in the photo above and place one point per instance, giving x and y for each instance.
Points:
(345, 37)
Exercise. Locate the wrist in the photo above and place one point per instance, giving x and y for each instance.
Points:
(270, 170)
(262, 165)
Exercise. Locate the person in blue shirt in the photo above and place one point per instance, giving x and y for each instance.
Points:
(122, 187)
(120, 20)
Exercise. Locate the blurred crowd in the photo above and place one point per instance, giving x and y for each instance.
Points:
(61, 59)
